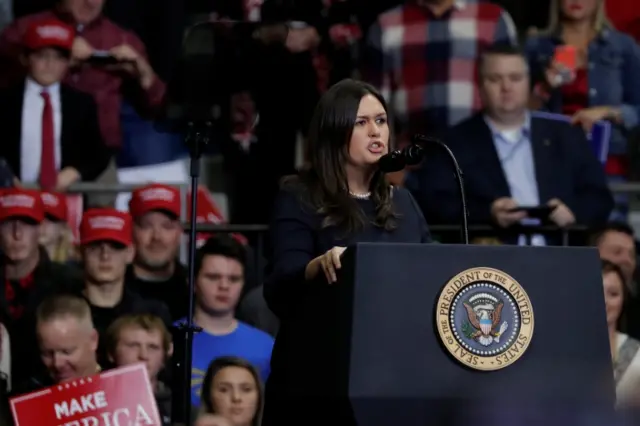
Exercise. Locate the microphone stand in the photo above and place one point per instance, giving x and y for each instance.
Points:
(197, 138)
(464, 232)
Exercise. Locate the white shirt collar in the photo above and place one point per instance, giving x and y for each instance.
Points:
(31, 87)
(523, 131)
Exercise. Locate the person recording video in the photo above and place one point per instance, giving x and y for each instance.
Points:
(40, 144)
(107, 62)
(340, 200)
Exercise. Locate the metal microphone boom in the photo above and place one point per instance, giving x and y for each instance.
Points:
(413, 155)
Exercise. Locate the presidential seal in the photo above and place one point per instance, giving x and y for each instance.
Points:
(485, 319)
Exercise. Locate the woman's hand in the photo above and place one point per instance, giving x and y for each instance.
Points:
(67, 177)
(589, 116)
(557, 75)
(330, 263)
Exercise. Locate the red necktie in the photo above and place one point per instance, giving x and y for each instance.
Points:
(48, 172)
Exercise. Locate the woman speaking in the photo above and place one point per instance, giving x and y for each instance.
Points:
(340, 200)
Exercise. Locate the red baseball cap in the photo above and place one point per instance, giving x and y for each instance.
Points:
(155, 197)
(18, 202)
(55, 205)
(49, 33)
(105, 224)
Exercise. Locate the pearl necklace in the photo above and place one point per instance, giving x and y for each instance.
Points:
(364, 196)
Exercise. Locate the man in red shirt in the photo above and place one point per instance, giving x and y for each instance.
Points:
(97, 38)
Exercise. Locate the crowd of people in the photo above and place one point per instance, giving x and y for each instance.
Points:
(84, 83)
(114, 298)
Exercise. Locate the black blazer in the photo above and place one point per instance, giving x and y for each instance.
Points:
(81, 142)
(565, 168)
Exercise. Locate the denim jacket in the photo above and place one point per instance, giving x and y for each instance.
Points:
(613, 74)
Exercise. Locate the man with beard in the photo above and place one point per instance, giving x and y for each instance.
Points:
(156, 272)
(106, 248)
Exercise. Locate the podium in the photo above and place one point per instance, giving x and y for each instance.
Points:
(376, 351)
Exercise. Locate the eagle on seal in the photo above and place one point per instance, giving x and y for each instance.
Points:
(485, 318)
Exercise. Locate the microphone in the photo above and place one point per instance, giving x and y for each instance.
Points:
(397, 160)
(414, 154)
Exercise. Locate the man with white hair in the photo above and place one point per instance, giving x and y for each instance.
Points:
(67, 341)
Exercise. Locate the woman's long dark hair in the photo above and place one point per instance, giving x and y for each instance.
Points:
(324, 185)
(610, 267)
(220, 363)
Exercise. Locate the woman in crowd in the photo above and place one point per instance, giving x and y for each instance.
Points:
(602, 84)
(340, 200)
(231, 394)
(55, 236)
(624, 349)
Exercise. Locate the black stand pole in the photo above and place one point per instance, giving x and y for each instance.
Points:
(419, 154)
(464, 232)
(197, 138)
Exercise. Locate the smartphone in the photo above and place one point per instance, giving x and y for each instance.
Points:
(102, 58)
(534, 212)
(567, 57)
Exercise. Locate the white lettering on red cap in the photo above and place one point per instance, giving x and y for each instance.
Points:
(153, 194)
(54, 31)
(212, 218)
(50, 200)
(209, 218)
(18, 200)
(107, 222)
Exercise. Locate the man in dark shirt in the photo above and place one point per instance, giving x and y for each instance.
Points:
(156, 272)
(29, 274)
(106, 249)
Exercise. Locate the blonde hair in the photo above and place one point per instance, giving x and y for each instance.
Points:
(147, 322)
(64, 250)
(61, 306)
(600, 22)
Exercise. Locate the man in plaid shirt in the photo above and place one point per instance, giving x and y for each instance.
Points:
(423, 56)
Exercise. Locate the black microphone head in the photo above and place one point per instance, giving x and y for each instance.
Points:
(392, 162)
(413, 154)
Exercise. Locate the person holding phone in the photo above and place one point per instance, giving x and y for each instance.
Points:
(342, 199)
(584, 68)
(518, 167)
(51, 131)
(132, 81)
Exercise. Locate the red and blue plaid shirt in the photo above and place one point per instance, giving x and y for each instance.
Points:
(425, 66)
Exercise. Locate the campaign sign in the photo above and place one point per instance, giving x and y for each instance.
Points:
(208, 212)
(121, 397)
